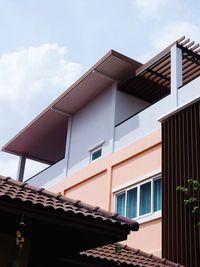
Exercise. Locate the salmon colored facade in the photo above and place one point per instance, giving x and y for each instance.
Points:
(97, 183)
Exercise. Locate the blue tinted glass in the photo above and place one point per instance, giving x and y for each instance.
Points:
(131, 210)
(157, 194)
(121, 204)
(145, 198)
(96, 154)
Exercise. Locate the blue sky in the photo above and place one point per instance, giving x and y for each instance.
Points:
(46, 45)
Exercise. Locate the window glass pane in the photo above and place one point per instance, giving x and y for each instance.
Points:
(96, 154)
(131, 210)
(121, 204)
(145, 198)
(157, 194)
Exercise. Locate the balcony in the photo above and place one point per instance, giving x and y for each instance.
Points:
(146, 121)
(50, 175)
(141, 124)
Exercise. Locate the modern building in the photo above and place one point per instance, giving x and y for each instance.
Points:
(123, 137)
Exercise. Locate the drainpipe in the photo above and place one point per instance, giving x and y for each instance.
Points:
(176, 73)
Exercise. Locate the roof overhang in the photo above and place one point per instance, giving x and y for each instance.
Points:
(50, 217)
(44, 138)
(152, 80)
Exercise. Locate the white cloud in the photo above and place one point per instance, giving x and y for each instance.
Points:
(8, 166)
(35, 72)
(147, 8)
(30, 79)
(170, 32)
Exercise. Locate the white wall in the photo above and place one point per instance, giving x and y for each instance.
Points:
(142, 123)
(146, 121)
(91, 125)
(127, 105)
(189, 92)
(50, 175)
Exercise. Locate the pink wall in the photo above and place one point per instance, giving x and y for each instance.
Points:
(148, 238)
(94, 191)
(95, 183)
(137, 166)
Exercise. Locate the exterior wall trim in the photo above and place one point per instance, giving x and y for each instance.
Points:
(156, 215)
(85, 180)
(181, 107)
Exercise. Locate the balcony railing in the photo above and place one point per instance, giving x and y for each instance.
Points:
(146, 121)
(50, 175)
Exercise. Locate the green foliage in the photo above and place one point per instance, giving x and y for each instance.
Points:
(191, 192)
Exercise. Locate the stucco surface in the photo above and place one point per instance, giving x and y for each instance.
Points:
(95, 183)
(94, 191)
(148, 238)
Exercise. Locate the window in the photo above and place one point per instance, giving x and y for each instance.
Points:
(145, 198)
(121, 204)
(141, 199)
(157, 194)
(132, 203)
(95, 154)
(96, 151)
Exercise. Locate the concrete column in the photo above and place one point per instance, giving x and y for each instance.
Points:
(21, 168)
(114, 93)
(176, 73)
(68, 141)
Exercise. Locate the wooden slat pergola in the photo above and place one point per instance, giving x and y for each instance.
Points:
(151, 81)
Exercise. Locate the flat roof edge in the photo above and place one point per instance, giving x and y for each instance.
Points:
(178, 108)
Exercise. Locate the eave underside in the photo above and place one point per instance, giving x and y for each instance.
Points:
(44, 139)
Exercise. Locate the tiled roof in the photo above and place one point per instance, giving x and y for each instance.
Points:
(127, 255)
(39, 196)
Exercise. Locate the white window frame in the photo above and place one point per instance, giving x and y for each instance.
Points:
(145, 217)
(95, 148)
(118, 194)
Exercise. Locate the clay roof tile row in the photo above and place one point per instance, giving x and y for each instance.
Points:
(128, 255)
(26, 192)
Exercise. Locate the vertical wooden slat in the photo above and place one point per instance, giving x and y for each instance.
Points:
(180, 161)
(164, 173)
(172, 185)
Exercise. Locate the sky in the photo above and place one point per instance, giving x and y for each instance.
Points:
(47, 45)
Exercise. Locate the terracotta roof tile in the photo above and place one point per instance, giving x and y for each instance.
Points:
(25, 192)
(128, 255)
